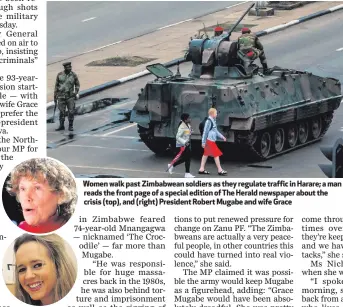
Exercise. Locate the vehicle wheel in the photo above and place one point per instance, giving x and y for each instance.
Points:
(303, 132)
(263, 144)
(279, 140)
(292, 135)
(160, 147)
(316, 127)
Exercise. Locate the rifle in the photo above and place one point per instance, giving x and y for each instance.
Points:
(205, 30)
(53, 117)
(227, 37)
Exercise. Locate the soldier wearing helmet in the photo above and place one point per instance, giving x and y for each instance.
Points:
(249, 44)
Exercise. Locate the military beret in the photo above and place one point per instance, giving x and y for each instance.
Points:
(217, 29)
(66, 64)
(245, 30)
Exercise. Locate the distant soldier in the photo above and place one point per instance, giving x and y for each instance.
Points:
(251, 47)
(66, 91)
(218, 31)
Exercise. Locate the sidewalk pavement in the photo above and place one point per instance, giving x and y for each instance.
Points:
(168, 44)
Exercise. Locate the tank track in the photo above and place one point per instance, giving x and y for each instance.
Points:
(165, 147)
(326, 122)
(160, 147)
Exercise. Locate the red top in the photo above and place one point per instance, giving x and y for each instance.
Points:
(245, 30)
(39, 229)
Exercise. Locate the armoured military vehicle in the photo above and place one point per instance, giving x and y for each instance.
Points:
(266, 114)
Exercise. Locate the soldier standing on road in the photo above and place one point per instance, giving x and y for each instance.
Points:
(249, 44)
(66, 91)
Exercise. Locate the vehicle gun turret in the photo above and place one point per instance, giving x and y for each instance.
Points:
(217, 57)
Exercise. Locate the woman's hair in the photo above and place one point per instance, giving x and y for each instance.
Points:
(184, 117)
(65, 268)
(211, 111)
(58, 177)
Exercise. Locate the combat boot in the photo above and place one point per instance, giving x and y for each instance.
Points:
(265, 68)
(61, 127)
(71, 128)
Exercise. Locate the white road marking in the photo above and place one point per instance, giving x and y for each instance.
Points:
(340, 49)
(228, 7)
(118, 42)
(122, 169)
(110, 136)
(174, 24)
(102, 147)
(88, 19)
(85, 115)
(54, 132)
(121, 129)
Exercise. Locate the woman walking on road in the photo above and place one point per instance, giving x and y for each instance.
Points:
(208, 142)
(183, 143)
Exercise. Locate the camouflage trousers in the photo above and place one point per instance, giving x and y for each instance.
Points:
(64, 104)
(260, 54)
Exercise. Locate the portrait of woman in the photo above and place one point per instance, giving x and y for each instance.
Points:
(45, 271)
(46, 191)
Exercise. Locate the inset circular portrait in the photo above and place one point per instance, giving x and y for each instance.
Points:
(39, 195)
(39, 270)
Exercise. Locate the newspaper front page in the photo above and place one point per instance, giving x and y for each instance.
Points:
(171, 154)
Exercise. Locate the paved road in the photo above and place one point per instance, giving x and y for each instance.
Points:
(101, 146)
(81, 24)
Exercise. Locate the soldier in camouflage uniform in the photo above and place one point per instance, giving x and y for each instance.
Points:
(250, 45)
(66, 91)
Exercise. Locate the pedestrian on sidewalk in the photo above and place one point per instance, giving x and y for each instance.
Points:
(183, 144)
(208, 142)
(67, 88)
